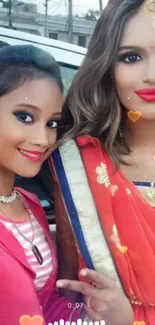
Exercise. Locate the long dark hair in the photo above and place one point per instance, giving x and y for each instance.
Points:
(92, 106)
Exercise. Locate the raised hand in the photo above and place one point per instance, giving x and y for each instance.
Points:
(104, 300)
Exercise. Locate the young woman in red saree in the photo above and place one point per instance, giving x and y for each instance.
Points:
(105, 178)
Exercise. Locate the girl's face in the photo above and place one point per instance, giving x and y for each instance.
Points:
(29, 117)
(134, 70)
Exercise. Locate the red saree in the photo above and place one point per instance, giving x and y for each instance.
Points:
(129, 227)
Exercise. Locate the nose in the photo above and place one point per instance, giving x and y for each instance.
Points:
(40, 137)
(149, 74)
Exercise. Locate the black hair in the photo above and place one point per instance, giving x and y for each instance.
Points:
(19, 63)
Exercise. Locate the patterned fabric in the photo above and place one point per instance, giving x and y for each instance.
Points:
(82, 211)
(104, 204)
(42, 271)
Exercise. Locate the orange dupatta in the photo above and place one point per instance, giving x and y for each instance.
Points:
(128, 223)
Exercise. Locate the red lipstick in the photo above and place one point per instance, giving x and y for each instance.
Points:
(147, 95)
(31, 155)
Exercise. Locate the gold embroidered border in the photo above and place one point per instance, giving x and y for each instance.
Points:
(138, 302)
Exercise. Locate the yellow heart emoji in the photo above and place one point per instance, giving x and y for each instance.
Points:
(139, 323)
(134, 116)
(123, 249)
(27, 320)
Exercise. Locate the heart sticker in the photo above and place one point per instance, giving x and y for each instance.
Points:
(139, 323)
(134, 116)
(35, 320)
(123, 250)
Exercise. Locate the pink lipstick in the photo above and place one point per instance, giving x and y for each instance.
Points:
(35, 156)
(147, 95)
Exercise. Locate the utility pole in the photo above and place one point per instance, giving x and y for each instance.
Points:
(10, 13)
(46, 17)
(70, 21)
(8, 4)
(100, 6)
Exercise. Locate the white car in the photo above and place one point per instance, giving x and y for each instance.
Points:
(69, 57)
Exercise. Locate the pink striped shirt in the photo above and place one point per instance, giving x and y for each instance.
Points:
(42, 271)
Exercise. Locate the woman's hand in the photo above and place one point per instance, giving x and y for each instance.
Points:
(104, 300)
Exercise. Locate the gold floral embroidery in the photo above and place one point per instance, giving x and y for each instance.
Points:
(138, 302)
(116, 239)
(128, 191)
(135, 301)
(139, 323)
(132, 294)
(113, 189)
(102, 175)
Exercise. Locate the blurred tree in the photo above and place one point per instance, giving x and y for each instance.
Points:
(5, 4)
(92, 15)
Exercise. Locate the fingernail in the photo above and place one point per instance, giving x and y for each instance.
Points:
(83, 273)
(59, 284)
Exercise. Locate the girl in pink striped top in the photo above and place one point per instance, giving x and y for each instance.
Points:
(30, 114)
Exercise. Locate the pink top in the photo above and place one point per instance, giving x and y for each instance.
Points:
(32, 230)
(19, 300)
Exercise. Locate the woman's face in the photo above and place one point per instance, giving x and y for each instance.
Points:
(29, 116)
(135, 67)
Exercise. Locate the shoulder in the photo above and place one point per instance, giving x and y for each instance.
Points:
(29, 196)
(35, 206)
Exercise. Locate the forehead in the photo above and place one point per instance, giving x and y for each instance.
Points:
(140, 29)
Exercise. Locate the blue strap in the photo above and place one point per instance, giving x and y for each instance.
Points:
(71, 208)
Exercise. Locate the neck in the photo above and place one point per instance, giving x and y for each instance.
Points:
(141, 135)
(6, 182)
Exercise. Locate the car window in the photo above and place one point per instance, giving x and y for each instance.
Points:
(68, 73)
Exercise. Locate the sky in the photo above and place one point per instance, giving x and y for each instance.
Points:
(60, 6)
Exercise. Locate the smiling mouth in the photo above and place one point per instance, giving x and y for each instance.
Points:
(36, 157)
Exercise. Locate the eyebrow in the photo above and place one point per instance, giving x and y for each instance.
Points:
(130, 47)
(36, 108)
(29, 106)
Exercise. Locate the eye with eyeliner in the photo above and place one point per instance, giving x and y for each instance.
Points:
(28, 118)
(54, 124)
(129, 57)
(24, 117)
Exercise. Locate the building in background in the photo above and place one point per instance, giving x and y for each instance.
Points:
(24, 17)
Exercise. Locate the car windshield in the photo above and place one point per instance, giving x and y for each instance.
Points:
(68, 73)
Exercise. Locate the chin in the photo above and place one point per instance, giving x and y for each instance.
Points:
(28, 173)
(148, 117)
